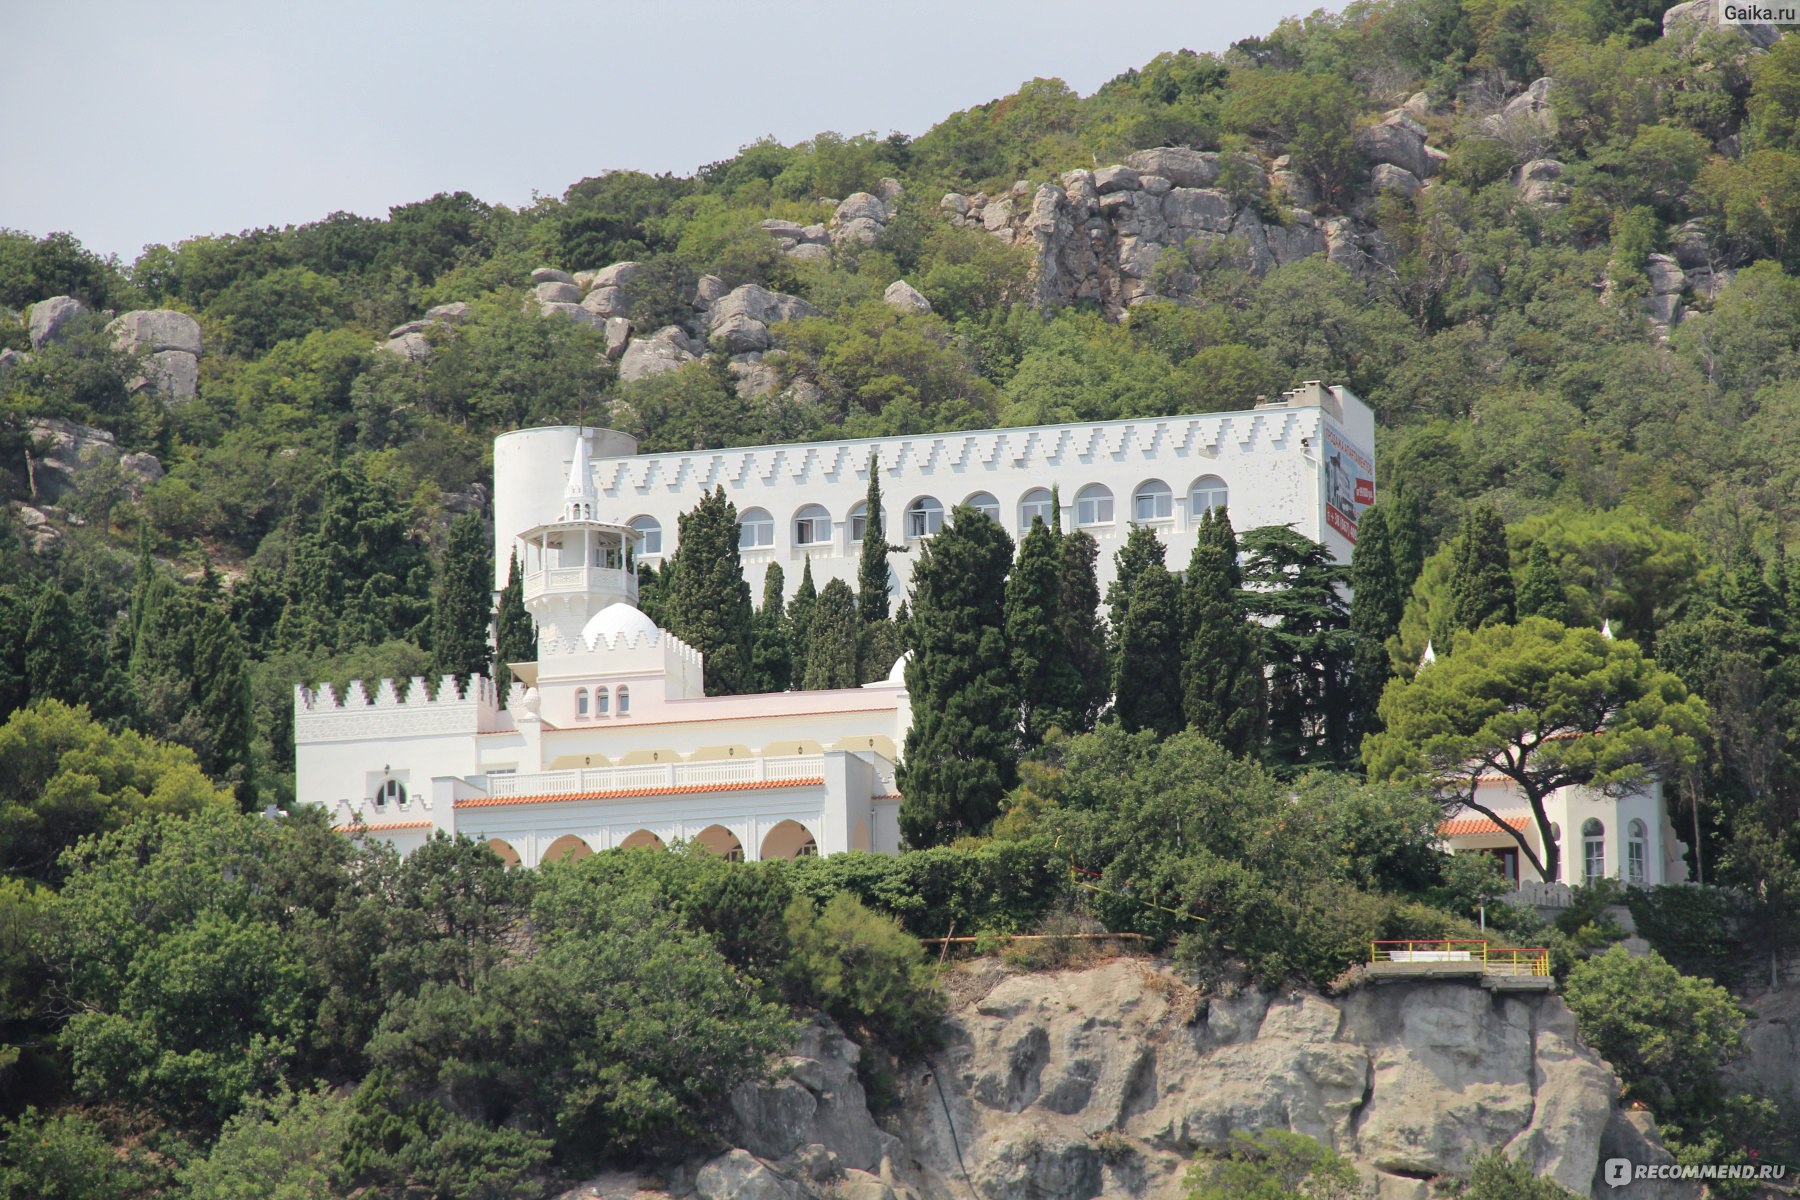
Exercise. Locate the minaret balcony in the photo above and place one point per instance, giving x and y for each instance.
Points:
(577, 581)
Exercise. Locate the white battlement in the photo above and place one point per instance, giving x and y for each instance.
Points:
(418, 694)
(407, 707)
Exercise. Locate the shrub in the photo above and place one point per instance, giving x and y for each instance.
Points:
(870, 975)
(1273, 1165)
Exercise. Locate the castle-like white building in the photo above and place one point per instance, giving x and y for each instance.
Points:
(608, 739)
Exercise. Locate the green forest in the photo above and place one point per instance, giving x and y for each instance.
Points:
(1586, 378)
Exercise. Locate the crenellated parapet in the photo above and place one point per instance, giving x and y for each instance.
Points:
(397, 708)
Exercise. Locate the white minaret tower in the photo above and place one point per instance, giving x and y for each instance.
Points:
(576, 565)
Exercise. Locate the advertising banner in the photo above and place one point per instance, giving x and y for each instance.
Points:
(1349, 482)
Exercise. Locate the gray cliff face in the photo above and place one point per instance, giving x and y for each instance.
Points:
(1108, 1081)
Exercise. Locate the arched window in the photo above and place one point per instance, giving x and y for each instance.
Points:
(985, 504)
(1153, 501)
(581, 702)
(624, 700)
(602, 702)
(391, 791)
(1636, 845)
(924, 517)
(649, 531)
(1094, 505)
(812, 526)
(1036, 506)
(1207, 493)
(1593, 850)
(859, 521)
(756, 529)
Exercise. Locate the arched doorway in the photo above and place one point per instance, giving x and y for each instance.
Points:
(642, 839)
(720, 841)
(567, 848)
(789, 839)
(508, 855)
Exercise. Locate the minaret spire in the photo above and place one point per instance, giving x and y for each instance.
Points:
(579, 497)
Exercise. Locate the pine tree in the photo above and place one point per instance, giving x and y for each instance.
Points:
(1292, 587)
(1147, 688)
(1222, 686)
(1481, 585)
(461, 604)
(707, 602)
(1141, 551)
(1376, 604)
(958, 763)
(800, 613)
(833, 639)
(1541, 592)
(872, 601)
(1040, 663)
(772, 653)
(1083, 635)
(515, 633)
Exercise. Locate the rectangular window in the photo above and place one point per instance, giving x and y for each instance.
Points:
(1635, 864)
(1159, 506)
(1094, 510)
(1595, 851)
(859, 526)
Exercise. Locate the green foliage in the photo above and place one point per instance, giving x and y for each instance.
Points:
(1309, 117)
(1147, 686)
(800, 614)
(1494, 1176)
(771, 651)
(1481, 585)
(62, 1156)
(958, 761)
(1005, 886)
(1541, 704)
(1541, 592)
(1377, 603)
(1034, 634)
(866, 972)
(833, 640)
(460, 606)
(1273, 1165)
(515, 633)
(284, 1149)
(708, 603)
(1083, 634)
(1293, 587)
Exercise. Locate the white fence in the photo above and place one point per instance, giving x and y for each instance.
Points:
(649, 776)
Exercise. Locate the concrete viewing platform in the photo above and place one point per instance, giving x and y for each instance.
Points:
(1497, 968)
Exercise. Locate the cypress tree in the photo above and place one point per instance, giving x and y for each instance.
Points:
(1040, 664)
(1292, 587)
(958, 762)
(220, 688)
(1147, 688)
(1406, 536)
(1481, 584)
(1083, 634)
(653, 588)
(882, 643)
(772, 654)
(833, 639)
(65, 657)
(707, 602)
(1141, 551)
(515, 633)
(872, 602)
(1541, 592)
(800, 614)
(461, 605)
(1376, 604)
(1221, 666)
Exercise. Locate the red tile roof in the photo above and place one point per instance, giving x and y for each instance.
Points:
(381, 828)
(1466, 826)
(686, 789)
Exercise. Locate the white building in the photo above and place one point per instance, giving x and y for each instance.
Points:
(608, 739)
(1629, 838)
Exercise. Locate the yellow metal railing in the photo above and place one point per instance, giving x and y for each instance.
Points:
(1493, 960)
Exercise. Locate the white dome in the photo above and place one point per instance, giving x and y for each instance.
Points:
(618, 619)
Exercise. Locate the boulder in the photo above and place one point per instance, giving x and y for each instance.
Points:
(156, 329)
(810, 252)
(1685, 22)
(1533, 102)
(1540, 182)
(860, 206)
(818, 1099)
(1666, 276)
(142, 465)
(996, 215)
(399, 331)
(738, 1175)
(1398, 141)
(858, 231)
(556, 292)
(755, 376)
(551, 275)
(889, 191)
(1178, 164)
(783, 229)
(1115, 179)
(453, 313)
(607, 301)
(68, 450)
(1388, 178)
(665, 350)
(571, 312)
(1417, 106)
(1155, 185)
(741, 333)
(619, 274)
(584, 279)
(816, 234)
(9, 358)
(48, 319)
(904, 297)
(759, 304)
(172, 374)
(413, 347)
(1297, 187)
(708, 290)
(618, 334)
(956, 203)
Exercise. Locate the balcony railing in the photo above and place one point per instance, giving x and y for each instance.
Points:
(651, 776)
(577, 580)
(1439, 956)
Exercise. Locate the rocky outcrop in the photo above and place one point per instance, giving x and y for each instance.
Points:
(68, 451)
(905, 298)
(1685, 22)
(48, 319)
(809, 241)
(665, 350)
(1399, 141)
(858, 220)
(741, 317)
(170, 342)
(1540, 182)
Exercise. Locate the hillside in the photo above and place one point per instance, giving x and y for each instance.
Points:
(1555, 245)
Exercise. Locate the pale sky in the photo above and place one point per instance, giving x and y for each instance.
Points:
(129, 122)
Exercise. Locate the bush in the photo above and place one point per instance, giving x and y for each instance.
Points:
(1497, 1177)
(1273, 1165)
(866, 972)
(289, 1149)
(64, 1157)
(1001, 886)
(1689, 926)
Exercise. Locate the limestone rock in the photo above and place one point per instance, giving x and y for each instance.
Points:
(49, 318)
(956, 203)
(1632, 1135)
(1178, 164)
(1540, 182)
(454, 313)
(619, 274)
(557, 292)
(569, 312)
(810, 252)
(1398, 180)
(741, 334)
(143, 465)
(1666, 276)
(413, 347)
(618, 334)
(172, 374)
(819, 1100)
(816, 234)
(739, 1176)
(889, 191)
(68, 450)
(783, 229)
(1115, 179)
(1417, 106)
(858, 231)
(1533, 102)
(156, 329)
(1398, 141)
(858, 206)
(1687, 21)
(759, 304)
(552, 275)
(902, 296)
(9, 358)
(708, 290)
(665, 350)
(1297, 187)
(607, 300)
